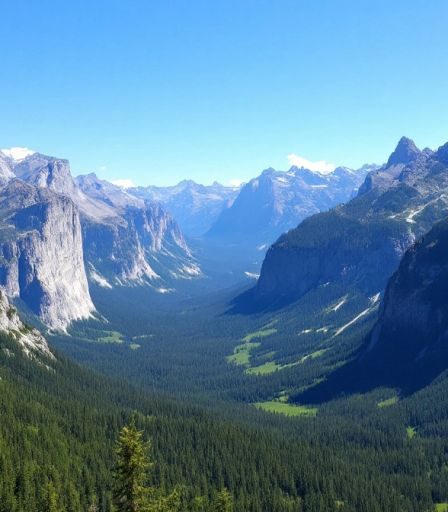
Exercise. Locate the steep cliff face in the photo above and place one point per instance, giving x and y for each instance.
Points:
(29, 340)
(361, 243)
(143, 245)
(139, 243)
(413, 321)
(41, 254)
(125, 239)
(54, 173)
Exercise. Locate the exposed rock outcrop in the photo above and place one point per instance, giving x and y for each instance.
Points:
(42, 254)
(29, 340)
(361, 243)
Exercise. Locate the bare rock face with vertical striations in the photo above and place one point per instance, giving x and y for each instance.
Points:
(53, 228)
(41, 254)
(137, 243)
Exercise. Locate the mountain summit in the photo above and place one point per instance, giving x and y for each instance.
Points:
(405, 152)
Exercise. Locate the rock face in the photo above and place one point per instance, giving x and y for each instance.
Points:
(41, 254)
(413, 320)
(195, 207)
(360, 244)
(29, 340)
(6, 173)
(52, 228)
(405, 153)
(276, 201)
(408, 347)
(137, 243)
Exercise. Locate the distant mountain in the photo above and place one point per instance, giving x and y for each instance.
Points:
(138, 242)
(195, 207)
(360, 244)
(53, 228)
(277, 201)
(125, 239)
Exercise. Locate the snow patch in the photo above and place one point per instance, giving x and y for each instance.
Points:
(339, 304)
(374, 298)
(99, 279)
(124, 183)
(354, 320)
(164, 290)
(252, 275)
(17, 154)
(319, 166)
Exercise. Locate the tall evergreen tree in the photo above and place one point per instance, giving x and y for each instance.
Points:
(223, 502)
(131, 469)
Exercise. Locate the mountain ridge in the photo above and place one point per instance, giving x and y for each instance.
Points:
(361, 242)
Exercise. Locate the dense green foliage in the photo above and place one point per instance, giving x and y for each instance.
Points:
(130, 470)
(62, 426)
(349, 454)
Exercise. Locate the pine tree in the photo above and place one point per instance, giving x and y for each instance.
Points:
(50, 498)
(131, 468)
(223, 502)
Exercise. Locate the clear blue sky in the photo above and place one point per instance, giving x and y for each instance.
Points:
(160, 90)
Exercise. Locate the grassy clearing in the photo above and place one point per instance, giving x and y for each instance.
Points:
(111, 337)
(388, 402)
(442, 507)
(313, 355)
(287, 409)
(273, 366)
(411, 432)
(259, 334)
(283, 396)
(241, 353)
(264, 369)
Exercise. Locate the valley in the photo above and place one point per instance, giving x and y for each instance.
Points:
(305, 357)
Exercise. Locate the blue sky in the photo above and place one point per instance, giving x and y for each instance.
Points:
(161, 90)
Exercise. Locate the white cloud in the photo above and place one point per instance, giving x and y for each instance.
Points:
(236, 183)
(125, 183)
(17, 154)
(320, 166)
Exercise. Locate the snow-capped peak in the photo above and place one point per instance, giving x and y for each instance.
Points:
(319, 167)
(18, 154)
(123, 183)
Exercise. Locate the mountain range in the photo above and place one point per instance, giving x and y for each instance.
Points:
(359, 244)
(195, 207)
(108, 236)
(277, 201)
(57, 234)
(62, 238)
